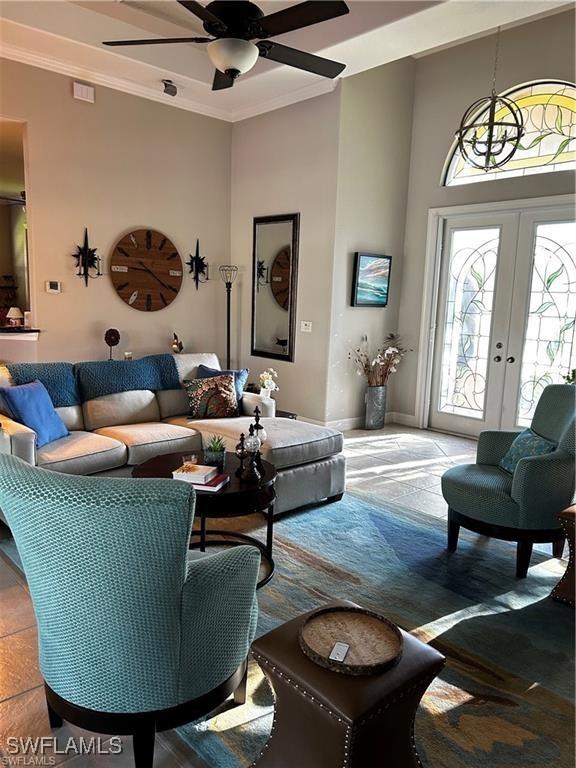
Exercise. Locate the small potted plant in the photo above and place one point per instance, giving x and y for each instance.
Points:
(267, 383)
(215, 452)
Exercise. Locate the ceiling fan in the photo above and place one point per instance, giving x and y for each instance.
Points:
(233, 24)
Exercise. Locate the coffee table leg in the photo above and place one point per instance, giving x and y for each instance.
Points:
(202, 533)
(269, 530)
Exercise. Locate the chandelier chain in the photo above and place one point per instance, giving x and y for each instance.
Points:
(496, 58)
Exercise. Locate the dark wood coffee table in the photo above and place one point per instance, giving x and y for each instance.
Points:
(236, 499)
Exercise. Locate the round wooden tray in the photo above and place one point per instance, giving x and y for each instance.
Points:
(375, 643)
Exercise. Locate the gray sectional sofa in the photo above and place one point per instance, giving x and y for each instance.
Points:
(112, 432)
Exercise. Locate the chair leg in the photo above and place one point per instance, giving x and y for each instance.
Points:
(558, 547)
(453, 531)
(53, 717)
(143, 742)
(240, 692)
(523, 555)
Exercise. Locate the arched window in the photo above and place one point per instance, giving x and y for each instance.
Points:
(549, 142)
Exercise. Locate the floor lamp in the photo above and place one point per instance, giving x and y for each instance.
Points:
(228, 273)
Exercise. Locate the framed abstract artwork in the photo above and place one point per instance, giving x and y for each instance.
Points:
(371, 280)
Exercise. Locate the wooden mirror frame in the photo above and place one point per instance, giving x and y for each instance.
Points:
(294, 219)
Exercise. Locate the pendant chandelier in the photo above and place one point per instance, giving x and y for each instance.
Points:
(491, 129)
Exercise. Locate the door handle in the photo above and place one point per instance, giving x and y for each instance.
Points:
(497, 359)
(510, 359)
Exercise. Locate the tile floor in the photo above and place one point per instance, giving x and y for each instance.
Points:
(400, 464)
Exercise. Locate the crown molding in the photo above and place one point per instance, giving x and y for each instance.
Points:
(302, 94)
(30, 54)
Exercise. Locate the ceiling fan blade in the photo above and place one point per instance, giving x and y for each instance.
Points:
(203, 13)
(299, 59)
(301, 15)
(221, 81)
(159, 41)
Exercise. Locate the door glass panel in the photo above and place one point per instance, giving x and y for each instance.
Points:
(550, 342)
(468, 321)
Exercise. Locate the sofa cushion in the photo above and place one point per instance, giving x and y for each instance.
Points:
(72, 416)
(288, 443)
(187, 363)
(107, 377)
(172, 402)
(144, 441)
(30, 404)
(212, 398)
(58, 378)
(82, 453)
(133, 407)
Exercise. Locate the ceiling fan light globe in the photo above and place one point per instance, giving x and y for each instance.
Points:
(230, 54)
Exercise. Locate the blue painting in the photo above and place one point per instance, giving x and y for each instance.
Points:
(371, 280)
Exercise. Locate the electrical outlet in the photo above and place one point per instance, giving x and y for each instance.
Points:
(306, 326)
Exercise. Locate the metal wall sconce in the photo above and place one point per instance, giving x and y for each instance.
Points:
(87, 261)
(262, 275)
(199, 269)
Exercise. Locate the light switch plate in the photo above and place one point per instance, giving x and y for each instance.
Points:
(306, 326)
(83, 92)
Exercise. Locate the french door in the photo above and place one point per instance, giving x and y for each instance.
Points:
(505, 325)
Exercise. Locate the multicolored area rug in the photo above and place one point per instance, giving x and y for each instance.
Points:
(504, 699)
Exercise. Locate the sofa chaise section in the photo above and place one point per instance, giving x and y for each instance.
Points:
(117, 419)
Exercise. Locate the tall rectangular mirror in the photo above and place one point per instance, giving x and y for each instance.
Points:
(14, 282)
(274, 286)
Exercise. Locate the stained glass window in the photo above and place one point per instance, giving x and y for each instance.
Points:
(549, 142)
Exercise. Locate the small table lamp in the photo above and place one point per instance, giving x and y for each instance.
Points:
(14, 316)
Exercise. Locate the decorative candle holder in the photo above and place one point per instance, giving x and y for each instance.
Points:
(252, 474)
(241, 454)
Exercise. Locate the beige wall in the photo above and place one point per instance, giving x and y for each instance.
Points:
(286, 162)
(121, 163)
(447, 83)
(374, 159)
(6, 261)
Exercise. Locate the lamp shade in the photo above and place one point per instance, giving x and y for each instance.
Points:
(228, 273)
(232, 56)
(14, 313)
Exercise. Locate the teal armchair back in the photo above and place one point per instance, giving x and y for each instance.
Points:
(127, 623)
(522, 507)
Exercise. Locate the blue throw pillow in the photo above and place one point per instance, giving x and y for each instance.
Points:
(30, 404)
(527, 443)
(240, 377)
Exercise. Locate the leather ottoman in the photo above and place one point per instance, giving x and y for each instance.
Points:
(325, 719)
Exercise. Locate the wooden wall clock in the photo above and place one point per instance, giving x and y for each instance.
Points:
(146, 270)
(280, 277)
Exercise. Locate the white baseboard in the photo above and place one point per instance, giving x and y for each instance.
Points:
(357, 422)
(405, 419)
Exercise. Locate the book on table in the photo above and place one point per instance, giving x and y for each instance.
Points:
(198, 474)
(213, 485)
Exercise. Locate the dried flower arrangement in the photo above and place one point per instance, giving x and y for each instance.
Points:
(378, 369)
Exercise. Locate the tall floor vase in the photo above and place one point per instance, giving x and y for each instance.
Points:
(375, 407)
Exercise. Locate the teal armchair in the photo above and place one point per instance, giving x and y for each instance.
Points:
(135, 636)
(522, 507)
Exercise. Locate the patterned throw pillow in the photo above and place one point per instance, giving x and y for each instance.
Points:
(527, 443)
(240, 377)
(213, 398)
